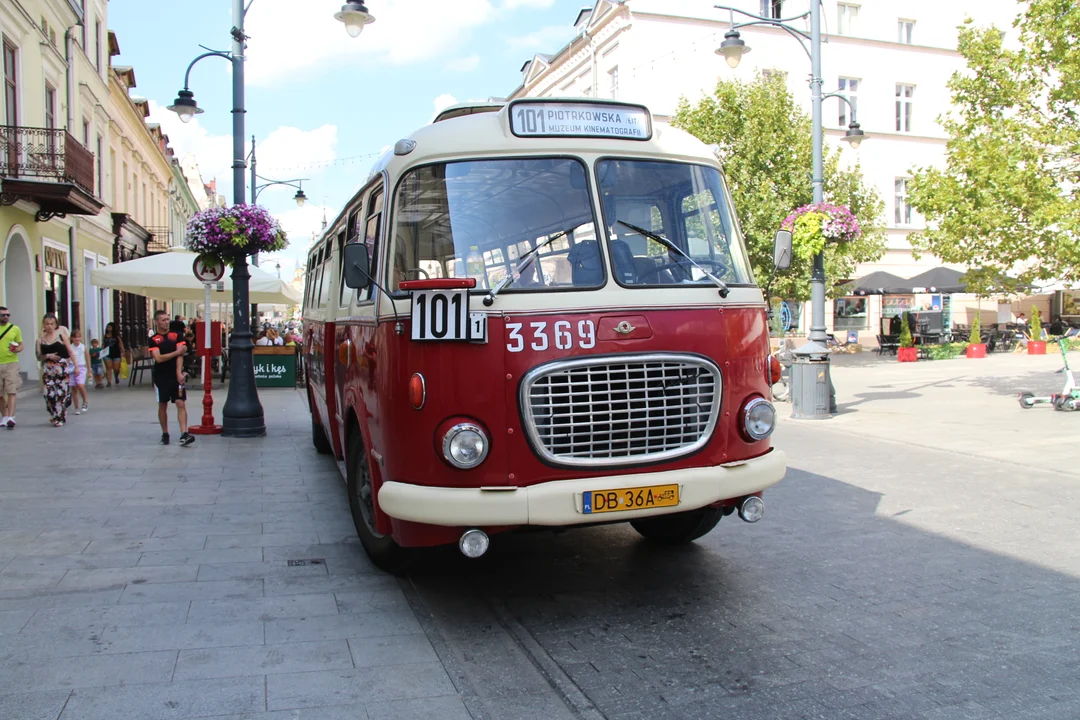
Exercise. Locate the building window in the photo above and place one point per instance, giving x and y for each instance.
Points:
(905, 30)
(56, 285)
(847, 19)
(100, 167)
(613, 78)
(11, 89)
(50, 106)
(97, 45)
(772, 8)
(86, 134)
(903, 207)
(849, 88)
(904, 101)
(849, 313)
(82, 26)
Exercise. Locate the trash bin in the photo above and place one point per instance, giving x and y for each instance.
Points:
(812, 395)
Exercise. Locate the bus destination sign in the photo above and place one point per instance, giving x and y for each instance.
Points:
(570, 119)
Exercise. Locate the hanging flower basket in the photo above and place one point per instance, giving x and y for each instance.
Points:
(813, 226)
(232, 232)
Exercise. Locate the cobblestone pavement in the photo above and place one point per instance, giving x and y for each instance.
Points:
(889, 579)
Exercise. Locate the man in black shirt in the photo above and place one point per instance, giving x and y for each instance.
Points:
(165, 347)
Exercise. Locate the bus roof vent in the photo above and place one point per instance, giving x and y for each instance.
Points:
(462, 109)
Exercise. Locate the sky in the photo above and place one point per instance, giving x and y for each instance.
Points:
(322, 105)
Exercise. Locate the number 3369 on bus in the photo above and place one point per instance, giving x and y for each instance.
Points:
(541, 336)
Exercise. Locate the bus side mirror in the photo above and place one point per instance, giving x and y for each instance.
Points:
(357, 266)
(781, 254)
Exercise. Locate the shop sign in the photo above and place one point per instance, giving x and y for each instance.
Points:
(275, 370)
(55, 259)
(893, 305)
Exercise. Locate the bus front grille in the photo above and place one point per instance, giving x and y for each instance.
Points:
(620, 410)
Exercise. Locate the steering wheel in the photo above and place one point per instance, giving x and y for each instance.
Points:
(718, 268)
(417, 270)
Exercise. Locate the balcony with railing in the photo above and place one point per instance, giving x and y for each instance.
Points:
(47, 167)
(160, 240)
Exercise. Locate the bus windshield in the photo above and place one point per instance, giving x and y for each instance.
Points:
(477, 218)
(684, 204)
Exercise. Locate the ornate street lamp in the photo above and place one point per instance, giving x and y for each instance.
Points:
(732, 49)
(242, 415)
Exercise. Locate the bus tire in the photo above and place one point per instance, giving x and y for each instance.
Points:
(318, 437)
(679, 528)
(382, 549)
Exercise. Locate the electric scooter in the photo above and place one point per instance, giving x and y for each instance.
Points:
(1067, 399)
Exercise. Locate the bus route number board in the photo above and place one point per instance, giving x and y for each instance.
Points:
(443, 315)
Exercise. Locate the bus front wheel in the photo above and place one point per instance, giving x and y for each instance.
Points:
(382, 549)
(678, 528)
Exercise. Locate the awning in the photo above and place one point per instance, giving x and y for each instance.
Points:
(937, 280)
(169, 276)
(877, 283)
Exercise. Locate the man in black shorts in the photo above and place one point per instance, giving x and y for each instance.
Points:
(165, 347)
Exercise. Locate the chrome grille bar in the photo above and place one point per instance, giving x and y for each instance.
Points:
(618, 410)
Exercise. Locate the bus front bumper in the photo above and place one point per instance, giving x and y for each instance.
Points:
(559, 502)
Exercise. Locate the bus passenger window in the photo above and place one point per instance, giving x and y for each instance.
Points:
(324, 278)
(371, 237)
(343, 291)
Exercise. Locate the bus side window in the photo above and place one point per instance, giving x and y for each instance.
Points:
(343, 292)
(371, 237)
(324, 280)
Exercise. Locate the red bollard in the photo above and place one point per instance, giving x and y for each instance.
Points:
(207, 427)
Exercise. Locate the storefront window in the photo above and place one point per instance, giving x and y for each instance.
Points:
(893, 305)
(849, 313)
(56, 296)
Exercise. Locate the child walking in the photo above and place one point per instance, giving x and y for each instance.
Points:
(78, 378)
(97, 367)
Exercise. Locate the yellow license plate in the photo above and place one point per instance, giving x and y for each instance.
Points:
(639, 498)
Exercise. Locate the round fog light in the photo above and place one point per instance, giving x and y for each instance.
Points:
(465, 446)
(759, 418)
(752, 509)
(474, 543)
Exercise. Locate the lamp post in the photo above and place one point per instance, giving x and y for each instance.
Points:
(242, 415)
(732, 49)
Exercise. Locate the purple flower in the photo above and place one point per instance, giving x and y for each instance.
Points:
(234, 231)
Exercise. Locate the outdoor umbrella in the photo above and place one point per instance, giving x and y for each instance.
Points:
(169, 276)
(937, 280)
(878, 283)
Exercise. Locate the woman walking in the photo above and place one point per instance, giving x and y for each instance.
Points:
(55, 353)
(114, 353)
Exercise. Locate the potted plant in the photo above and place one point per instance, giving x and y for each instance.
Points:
(234, 232)
(1036, 346)
(976, 348)
(907, 351)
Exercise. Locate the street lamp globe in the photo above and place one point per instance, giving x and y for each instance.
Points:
(732, 48)
(300, 198)
(185, 106)
(355, 16)
(854, 136)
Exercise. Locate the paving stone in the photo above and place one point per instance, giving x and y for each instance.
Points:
(199, 591)
(449, 707)
(363, 685)
(137, 576)
(196, 557)
(17, 673)
(332, 626)
(393, 650)
(33, 705)
(261, 540)
(168, 701)
(241, 570)
(295, 657)
(264, 609)
(105, 616)
(180, 637)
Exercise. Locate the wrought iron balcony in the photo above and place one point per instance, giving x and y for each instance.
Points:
(49, 167)
(160, 240)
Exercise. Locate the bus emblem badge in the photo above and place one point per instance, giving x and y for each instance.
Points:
(624, 328)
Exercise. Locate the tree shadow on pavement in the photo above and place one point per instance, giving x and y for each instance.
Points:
(908, 394)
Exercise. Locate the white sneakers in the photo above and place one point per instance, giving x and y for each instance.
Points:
(8, 422)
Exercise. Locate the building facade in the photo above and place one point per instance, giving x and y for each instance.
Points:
(892, 61)
(84, 182)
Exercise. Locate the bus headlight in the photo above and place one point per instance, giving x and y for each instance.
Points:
(465, 445)
(759, 418)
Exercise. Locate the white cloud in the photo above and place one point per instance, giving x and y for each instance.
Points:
(299, 224)
(444, 101)
(464, 64)
(538, 4)
(286, 44)
(548, 39)
(283, 154)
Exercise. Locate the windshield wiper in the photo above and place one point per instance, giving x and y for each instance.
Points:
(525, 260)
(724, 289)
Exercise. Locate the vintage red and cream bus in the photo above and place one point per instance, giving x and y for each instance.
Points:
(540, 313)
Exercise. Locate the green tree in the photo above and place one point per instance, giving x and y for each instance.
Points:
(765, 146)
(1006, 200)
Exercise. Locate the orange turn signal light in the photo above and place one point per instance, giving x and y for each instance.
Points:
(417, 391)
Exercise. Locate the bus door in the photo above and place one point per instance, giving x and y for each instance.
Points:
(355, 338)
